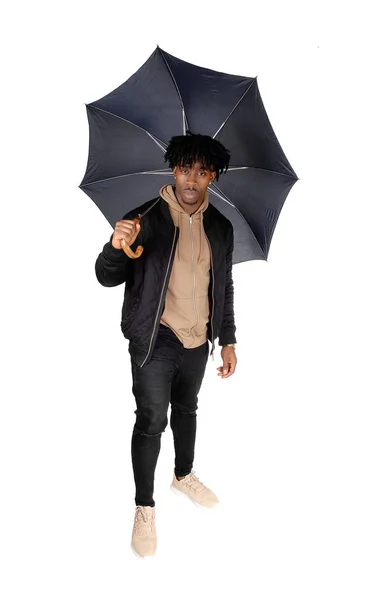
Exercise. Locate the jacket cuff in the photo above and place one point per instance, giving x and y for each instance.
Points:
(230, 339)
(112, 253)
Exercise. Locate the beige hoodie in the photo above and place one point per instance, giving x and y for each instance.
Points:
(187, 302)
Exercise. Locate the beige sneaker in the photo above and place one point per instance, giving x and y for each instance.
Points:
(192, 487)
(144, 539)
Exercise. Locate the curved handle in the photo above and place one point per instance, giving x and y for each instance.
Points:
(126, 248)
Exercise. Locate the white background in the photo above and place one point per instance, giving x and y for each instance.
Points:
(289, 443)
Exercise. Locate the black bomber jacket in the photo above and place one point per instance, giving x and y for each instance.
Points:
(146, 278)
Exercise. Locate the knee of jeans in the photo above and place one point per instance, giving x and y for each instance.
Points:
(185, 411)
(150, 427)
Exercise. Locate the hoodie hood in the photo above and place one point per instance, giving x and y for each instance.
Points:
(167, 192)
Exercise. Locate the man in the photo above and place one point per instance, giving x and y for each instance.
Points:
(178, 296)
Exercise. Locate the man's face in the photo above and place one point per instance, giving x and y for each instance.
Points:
(191, 184)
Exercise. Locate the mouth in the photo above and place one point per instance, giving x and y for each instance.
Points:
(191, 193)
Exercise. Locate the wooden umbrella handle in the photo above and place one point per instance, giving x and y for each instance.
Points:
(126, 248)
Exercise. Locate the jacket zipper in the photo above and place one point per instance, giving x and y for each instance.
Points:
(212, 308)
(161, 297)
(194, 272)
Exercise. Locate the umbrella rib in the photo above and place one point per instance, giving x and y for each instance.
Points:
(221, 197)
(128, 175)
(184, 119)
(155, 139)
(260, 169)
(235, 107)
(237, 168)
(228, 201)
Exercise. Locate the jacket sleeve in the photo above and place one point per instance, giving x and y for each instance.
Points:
(228, 329)
(112, 265)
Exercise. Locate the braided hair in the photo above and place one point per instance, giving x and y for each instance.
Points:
(187, 149)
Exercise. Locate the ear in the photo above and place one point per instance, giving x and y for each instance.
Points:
(174, 171)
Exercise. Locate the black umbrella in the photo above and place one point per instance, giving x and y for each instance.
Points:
(130, 129)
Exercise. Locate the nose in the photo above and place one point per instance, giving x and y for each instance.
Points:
(192, 178)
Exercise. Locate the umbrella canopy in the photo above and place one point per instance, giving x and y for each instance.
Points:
(129, 130)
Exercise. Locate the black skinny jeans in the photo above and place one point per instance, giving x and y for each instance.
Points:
(173, 375)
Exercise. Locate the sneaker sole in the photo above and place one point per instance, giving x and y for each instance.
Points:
(138, 555)
(179, 493)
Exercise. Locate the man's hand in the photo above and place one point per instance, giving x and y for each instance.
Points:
(229, 362)
(126, 230)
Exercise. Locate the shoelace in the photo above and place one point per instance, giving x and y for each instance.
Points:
(143, 520)
(194, 483)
